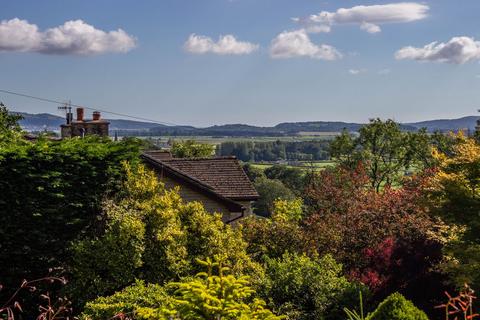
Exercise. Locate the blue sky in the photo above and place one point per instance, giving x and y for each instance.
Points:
(167, 65)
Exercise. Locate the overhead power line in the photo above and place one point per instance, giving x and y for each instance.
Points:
(89, 108)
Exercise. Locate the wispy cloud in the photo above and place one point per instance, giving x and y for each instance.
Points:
(73, 37)
(368, 18)
(457, 50)
(357, 71)
(291, 44)
(226, 45)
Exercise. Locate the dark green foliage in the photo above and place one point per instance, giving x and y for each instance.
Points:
(8, 121)
(292, 178)
(275, 150)
(307, 289)
(50, 194)
(253, 173)
(396, 307)
(269, 191)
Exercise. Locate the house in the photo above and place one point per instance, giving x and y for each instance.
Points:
(82, 127)
(219, 183)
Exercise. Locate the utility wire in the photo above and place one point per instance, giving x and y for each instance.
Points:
(89, 108)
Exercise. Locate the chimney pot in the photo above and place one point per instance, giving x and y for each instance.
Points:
(80, 114)
(96, 115)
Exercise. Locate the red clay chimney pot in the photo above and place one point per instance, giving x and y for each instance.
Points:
(80, 114)
(96, 115)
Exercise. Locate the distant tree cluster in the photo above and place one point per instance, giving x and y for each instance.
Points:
(276, 150)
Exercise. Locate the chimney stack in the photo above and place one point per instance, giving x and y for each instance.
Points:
(96, 115)
(79, 114)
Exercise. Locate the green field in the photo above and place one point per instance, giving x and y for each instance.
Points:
(315, 165)
(219, 140)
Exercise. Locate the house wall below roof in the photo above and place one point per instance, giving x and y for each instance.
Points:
(211, 205)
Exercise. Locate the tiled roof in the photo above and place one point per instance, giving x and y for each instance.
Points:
(222, 175)
(159, 154)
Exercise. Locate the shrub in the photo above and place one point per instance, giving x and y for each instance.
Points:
(129, 302)
(305, 288)
(396, 307)
(223, 296)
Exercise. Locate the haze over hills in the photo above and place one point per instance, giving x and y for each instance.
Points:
(45, 121)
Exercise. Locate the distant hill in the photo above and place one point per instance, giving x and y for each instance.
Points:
(468, 122)
(45, 121)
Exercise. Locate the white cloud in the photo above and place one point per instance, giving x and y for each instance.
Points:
(73, 37)
(457, 50)
(356, 71)
(225, 45)
(368, 17)
(290, 44)
(370, 27)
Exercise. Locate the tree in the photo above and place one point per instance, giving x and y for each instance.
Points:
(272, 237)
(150, 233)
(192, 149)
(303, 288)
(456, 199)
(269, 191)
(385, 239)
(8, 120)
(385, 151)
(292, 178)
(10, 130)
(253, 173)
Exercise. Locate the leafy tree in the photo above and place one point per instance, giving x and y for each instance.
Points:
(51, 194)
(192, 149)
(292, 178)
(396, 307)
(253, 173)
(10, 130)
(8, 120)
(269, 191)
(457, 185)
(151, 234)
(288, 210)
(272, 237)
(385, 239)
(385, 151)
(221, 296)
(305, 288)
(456, 198)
